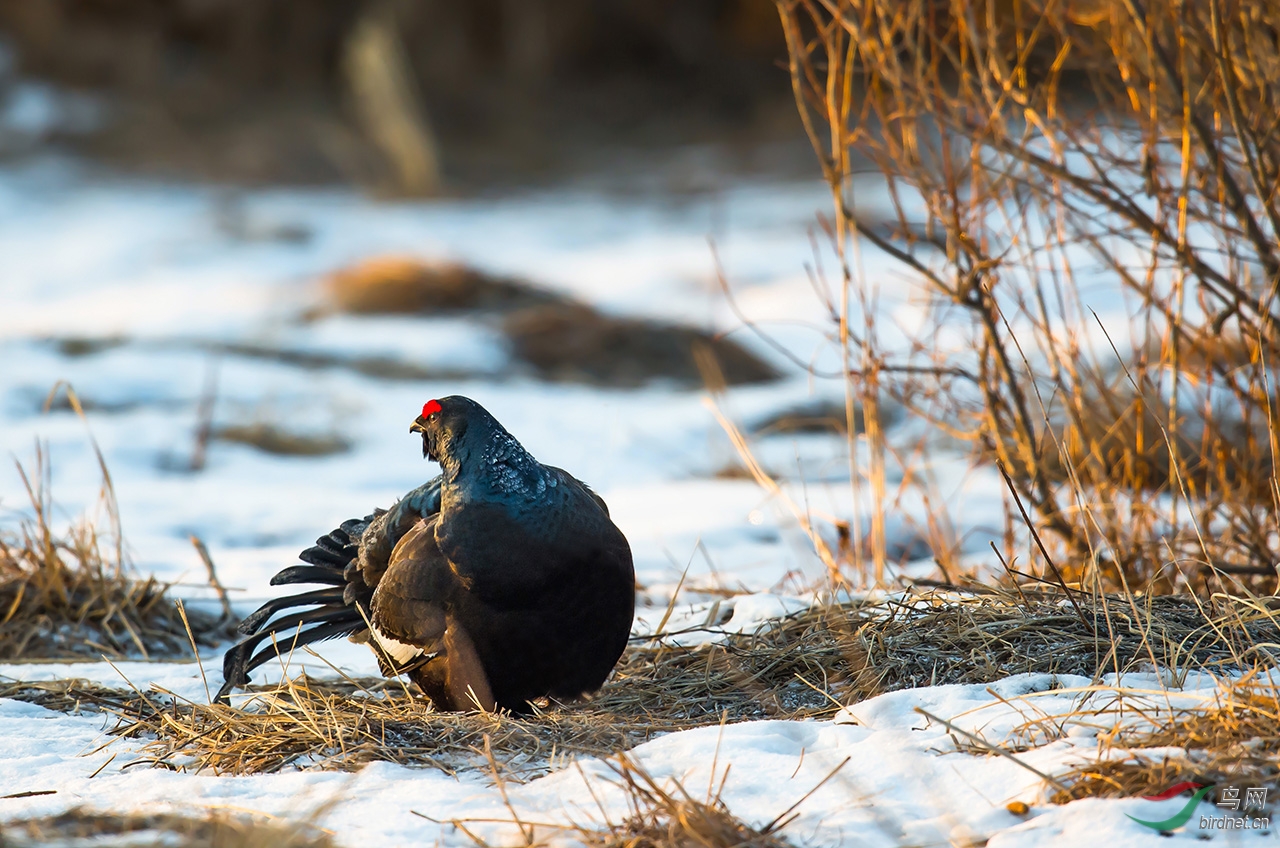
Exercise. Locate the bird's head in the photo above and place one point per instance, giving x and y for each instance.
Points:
(474, 450)
(443, 423)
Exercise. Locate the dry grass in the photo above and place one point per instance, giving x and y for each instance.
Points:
(558, 337)
(1015, 141)
(1235, 741)
(671, 817)
(71, 695)
(394, 285)
(71, 594)
(575, 343)
(660, 814)
(1121, 445)
(209, 830)
(804, 666)
(273, 439)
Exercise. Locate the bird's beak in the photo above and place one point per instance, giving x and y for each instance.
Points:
(419, 425)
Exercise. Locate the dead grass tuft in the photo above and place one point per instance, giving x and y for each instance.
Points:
(270, 438)
(670, 817)
(660, 814)
(1235, 741)
(394, 285)
(560, 338)
(805, 666)
(71, 594)
(74, 695)
(211, 830)
(574, 343)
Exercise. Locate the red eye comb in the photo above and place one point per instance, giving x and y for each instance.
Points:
(430, 407)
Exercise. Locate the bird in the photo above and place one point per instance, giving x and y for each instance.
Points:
(497, 584)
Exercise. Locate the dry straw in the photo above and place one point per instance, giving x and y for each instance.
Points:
(802, 667)
(1233, 741)
(1031, 157)
(206, 830)
(72, 594)
(659, 814)
(669, 816)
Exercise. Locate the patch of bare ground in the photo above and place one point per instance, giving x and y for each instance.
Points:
(554, 336)
(83, 827)
(821, 417)
(75, 346)
(802, 667)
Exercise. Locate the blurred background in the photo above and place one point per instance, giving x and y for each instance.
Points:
(253, 235)
(402, 97)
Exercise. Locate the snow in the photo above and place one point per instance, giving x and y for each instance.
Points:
(173, 297)
(892, 775)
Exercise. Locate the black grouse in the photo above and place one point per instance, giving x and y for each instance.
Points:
(499, 582)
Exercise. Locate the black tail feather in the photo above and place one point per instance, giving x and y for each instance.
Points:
(332, 628)
(354, 527)
(309, 574)
(335, 540)
(258, 617)
(284, 627)
(324, 558)
(290, 633)
(333, 612)
(236, 668)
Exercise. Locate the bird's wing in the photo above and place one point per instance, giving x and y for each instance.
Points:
(564, 478)
(385, 532)
(409, 603)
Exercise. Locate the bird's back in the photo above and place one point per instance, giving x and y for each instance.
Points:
(550, 589)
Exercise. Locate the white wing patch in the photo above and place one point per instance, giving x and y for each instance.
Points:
(397, 650)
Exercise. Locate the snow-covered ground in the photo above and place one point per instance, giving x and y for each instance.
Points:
(131, 292)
